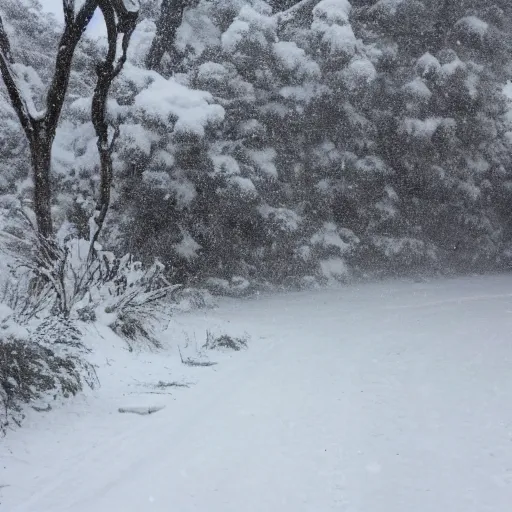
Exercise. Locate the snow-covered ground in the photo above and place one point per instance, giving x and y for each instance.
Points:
(389, 397)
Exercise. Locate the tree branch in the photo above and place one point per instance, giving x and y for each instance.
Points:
(73, 31)
(171, 16)
(127, 12)
(9, 76)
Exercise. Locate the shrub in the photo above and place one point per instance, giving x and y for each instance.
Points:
(224, 341)
(135, 300)
(49, 363)
(66, 278)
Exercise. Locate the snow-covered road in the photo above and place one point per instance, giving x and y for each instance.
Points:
(389, 397)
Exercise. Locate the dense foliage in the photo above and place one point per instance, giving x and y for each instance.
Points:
(288, 144)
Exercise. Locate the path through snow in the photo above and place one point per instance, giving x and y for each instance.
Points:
(390, 397)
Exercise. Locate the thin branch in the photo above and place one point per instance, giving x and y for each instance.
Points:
(124, 49)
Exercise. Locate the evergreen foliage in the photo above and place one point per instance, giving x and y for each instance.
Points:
(282, 143)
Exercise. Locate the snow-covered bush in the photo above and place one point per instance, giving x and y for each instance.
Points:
(225, 342)
(40, 366)
(136, 300)
(66, 278)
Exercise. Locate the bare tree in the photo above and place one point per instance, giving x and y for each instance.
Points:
(40, 127)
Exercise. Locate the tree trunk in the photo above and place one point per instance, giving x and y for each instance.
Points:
(171, 15)
(117, 21)
(40, 149)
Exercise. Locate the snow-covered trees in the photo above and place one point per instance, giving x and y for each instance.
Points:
(440, 113)
(294, 142)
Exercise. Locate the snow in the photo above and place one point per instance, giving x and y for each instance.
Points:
(75, 147)
(469, 190)
(333, 11)
(421, 128)
(477, 164)
(293, 58)
(338, 38)
(8, 327)
(197, 31)
(450, 68)
(472, 81)
(473, 25)
(30, 86)
(287, 220)
(136, 137)
(258, 18)
(418, 88)
(387, 6)
(194, 110)
(225, 165)
(305, 93)
(235, 34)
(372, 166)
(331, 23)
(188, 247)
(163, 158)
(264, 160)
(278, 109)
(392, 247)
(184, 190)
(140, 42)
(391, 193)
(251, 127)
(329, 236)
(359, 72)
(427, 64)
(250, 25)
(5, 312)
(507, 90)
(334, 269)
(289, 14)
(380, 397)
(156, 179)
(244, 185)
(386, 208)
(131, 5)
(212, 71)
(326, 155)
